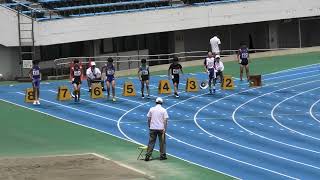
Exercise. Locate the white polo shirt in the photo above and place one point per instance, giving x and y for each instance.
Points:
(92, 74)
(214, 42)
(158, 115)
(219, 66)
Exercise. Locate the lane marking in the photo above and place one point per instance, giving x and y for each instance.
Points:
(263, 137)
(58, 104)
(96, 103)
(286, 127)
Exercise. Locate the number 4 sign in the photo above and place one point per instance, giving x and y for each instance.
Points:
(164, 87)
(227, 83)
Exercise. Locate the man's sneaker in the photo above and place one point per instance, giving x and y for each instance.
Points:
(114, 99)
(34, 102)
(177, 95)
(38, 102)
(142, 96)
(147, 158)
(72, 95)
(148, 97)
(163, 158)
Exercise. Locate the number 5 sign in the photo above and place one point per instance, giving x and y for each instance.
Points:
(128, 89)
(96, 91)
(227, 83)
(63, 94)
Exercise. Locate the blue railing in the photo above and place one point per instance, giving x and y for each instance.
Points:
(57, 9)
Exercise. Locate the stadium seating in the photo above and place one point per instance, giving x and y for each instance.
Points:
(56, 9)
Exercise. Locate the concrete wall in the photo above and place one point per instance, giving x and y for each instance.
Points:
(9, 27)
(9, 61)
(165, 20)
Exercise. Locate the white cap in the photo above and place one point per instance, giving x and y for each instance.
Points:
(159, 100)
(217, 56)
(93, 63)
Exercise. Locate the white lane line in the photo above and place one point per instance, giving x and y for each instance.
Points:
(72, 108)
(253, 149)
(311, 111)
(171, 137)
(275, 119)
(263, 137)
(120, 98)
(105, 105)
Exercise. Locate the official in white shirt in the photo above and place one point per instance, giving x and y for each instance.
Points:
(219, 67)
(157, 122)
(215, 45)
(94, 76)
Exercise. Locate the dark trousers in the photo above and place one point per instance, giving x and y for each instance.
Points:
(219, 73)
(90, 81)
(152, 140)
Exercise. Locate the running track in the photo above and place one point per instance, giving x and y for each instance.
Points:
(271, 132)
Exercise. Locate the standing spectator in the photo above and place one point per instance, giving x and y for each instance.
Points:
(157, 122)
(94, 76)
(215, 45)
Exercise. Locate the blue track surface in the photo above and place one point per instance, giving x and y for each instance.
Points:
(249, 133)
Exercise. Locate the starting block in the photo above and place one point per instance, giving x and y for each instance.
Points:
(141, 149)
(227, 83)
(128, 89)
(192, 85)
(29, 96)
(96, 91)
(255, 81)
(63, 94)
(164, 87)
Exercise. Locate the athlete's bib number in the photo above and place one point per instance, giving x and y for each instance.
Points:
(210, 64)
(244, 55)
(175, 71)
(77, 73)
(35, 72)
(145, 72)
(110, 72)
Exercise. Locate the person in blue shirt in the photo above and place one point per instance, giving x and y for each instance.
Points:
(109, 69)
(144, 76)
(243, 59)
(34, 74)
